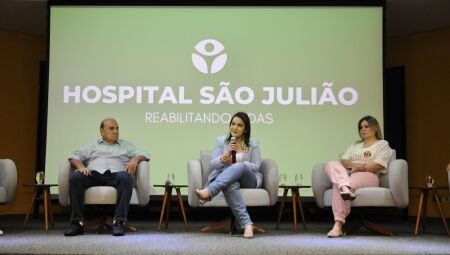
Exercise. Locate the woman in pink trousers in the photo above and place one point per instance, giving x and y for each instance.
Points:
(359, 167)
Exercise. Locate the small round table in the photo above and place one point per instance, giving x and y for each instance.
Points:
(166, 204)
(424, 190)
(296, 198)
(47, 202)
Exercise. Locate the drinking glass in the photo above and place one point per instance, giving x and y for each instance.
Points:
(282, 179)
(299, 178)
(40, 177)
(173, 178)
(430, 180)
(170, 178)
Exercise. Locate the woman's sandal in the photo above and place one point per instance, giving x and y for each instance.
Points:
(348, 195)
(332, 234)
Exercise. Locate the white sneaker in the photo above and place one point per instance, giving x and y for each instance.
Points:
(1, 232)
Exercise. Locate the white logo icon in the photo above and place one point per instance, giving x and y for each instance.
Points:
(199, 59)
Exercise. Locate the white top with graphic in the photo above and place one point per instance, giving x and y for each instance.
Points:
(379, 152)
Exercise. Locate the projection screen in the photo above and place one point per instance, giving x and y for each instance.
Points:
(173, 77)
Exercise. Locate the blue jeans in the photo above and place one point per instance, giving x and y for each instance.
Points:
(229, 181)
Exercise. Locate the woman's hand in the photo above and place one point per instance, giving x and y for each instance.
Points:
(231, 147)
(226, 158)
(359, 168)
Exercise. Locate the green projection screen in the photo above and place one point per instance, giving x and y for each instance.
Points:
(173, 77)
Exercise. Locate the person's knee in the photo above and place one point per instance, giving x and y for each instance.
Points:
(332, 165)
(125, 178)
(233, 186)
(239, 166)
(76, 178)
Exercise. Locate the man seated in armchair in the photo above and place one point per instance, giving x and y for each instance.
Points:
(108, 161)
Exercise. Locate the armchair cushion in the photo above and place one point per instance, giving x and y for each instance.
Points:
(372, 196)
(392, 192)
(106, 194)
(252, 197)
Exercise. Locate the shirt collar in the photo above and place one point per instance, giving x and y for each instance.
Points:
(103, 141)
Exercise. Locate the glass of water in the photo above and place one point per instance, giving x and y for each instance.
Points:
(171, 178)
(40, 177)
(298, 178)
(282, 179)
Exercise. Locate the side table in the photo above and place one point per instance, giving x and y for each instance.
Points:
(166, 204)
(47, 202)
(296, 198)
(424, 190)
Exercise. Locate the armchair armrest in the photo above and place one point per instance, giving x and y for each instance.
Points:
(8, 178)
(194, 181)
(269, 170)
(63, 182)
(143, 182)
(398, 182)
(320, 183)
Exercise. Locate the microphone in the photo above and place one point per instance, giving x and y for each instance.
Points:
(233, 153)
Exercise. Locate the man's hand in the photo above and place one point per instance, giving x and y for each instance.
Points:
(132, 165)
(84, 171)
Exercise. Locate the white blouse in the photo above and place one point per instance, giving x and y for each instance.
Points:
(379, 152)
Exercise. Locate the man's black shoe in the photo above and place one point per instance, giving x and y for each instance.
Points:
(118, 228)
(75, 229)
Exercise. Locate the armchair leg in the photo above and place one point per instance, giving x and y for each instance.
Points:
(234, 230)
(351, 227)
(216, 226)
(101, 222)
(97, 223)
(376, 228)
(231, 222)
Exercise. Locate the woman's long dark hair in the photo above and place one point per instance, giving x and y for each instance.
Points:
(244, 117)
(373, 123)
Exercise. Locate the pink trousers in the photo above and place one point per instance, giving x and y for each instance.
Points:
(339, 177)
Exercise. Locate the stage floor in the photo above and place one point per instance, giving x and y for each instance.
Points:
(175, 240)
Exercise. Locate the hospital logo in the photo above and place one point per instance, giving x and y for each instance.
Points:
(209, 51)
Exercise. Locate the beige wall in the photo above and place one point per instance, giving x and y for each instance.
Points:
(20, 55)
(426, 57)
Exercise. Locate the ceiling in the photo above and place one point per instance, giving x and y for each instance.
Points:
(402, 16)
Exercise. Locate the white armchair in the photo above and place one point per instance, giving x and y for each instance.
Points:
(8, 180)
(392, 192)
(105, 195)
(199, 169)
(448, 176)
